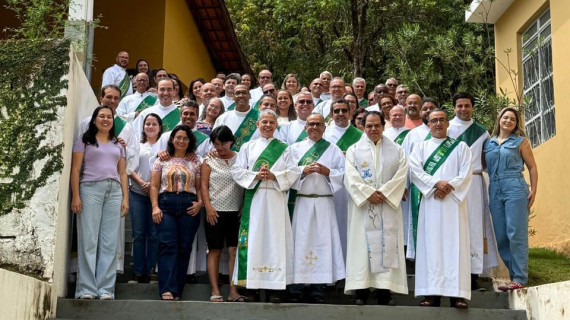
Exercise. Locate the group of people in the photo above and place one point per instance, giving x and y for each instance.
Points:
(299, 187)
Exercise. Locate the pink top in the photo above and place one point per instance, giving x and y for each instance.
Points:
(410, 124)
(177, 174)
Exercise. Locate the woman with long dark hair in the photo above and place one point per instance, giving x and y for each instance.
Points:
(176, 203)
(99, 190)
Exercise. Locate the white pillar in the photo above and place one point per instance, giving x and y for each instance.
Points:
(80, 30)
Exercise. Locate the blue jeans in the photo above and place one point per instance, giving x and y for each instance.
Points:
(145, 240)
(508, 202)
(175, 236)
(97, 234)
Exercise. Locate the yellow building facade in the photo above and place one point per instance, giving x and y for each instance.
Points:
(544, 73)
(187, 37)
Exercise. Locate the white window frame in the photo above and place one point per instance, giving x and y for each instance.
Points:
(537, 52)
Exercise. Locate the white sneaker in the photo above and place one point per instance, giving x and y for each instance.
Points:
(86, 297)
(106, 296)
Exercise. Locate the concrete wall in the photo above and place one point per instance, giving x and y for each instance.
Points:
(546, 302)
(552, 221)
(23, 297)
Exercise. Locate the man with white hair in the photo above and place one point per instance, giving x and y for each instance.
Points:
(130, 106)
(359, 87)
(337, 90)
(326, 78)
(265, 168)
(398, 131)
(392, 84)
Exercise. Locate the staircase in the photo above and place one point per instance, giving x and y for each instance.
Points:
(141, 302)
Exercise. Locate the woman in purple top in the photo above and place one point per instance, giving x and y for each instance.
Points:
(99, 199)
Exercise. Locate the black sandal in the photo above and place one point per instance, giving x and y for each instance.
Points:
(458, 303)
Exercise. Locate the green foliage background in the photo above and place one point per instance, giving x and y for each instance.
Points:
(425, 44)
(31, 82)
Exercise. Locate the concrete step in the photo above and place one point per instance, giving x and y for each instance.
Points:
(162, 310)
(333, 295)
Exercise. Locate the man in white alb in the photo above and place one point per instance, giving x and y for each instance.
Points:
(375, 178)
(441, 170)
(131, 105)
(117, 75)
(481, 235)
(318, 253)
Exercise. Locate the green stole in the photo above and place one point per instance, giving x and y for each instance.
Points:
(363, 103)
(350, 137)
(301, 136)
(200, 137)
(171, 120)
(148, 101)
(268, 158)
(433, 162)
(246, 129)
(471, 134)
(415, 197)
(256, 105)
(312, 155)
(124, 85)
(119, 124)
(231, 107)
(400, 138)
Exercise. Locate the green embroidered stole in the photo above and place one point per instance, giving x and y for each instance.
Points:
(400, 138)
(246, 129)
(171, 120)
(200, 137)
(312, 155)
(363, 103)
(471, 134)
(119, 125)
(148, 101)
(350, 137)
(231, 107)
(124, 85)
(268, 157)
(433, 162)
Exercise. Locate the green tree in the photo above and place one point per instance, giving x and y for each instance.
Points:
(426, 44)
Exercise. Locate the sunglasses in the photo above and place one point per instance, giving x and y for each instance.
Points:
(337, 111)
(305, 101)
(269, 91)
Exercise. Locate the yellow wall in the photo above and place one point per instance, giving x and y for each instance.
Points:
(165, 35)
(188, 59)
(140, 37)
(552, 205)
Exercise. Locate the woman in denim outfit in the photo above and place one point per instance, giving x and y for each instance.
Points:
(176, 202)
(506, 153)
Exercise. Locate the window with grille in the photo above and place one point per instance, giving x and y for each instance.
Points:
(537, 80)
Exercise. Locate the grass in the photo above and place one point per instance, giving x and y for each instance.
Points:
(547, 266)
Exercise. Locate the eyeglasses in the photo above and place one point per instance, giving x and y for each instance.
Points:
(240, 93)
(305, 101)
(181, 139)
(337, 111)
(435, 121)
(265, 77)
(142, 80)
(269, 91)
(337, 87)
(392, 85)
(315, 124)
